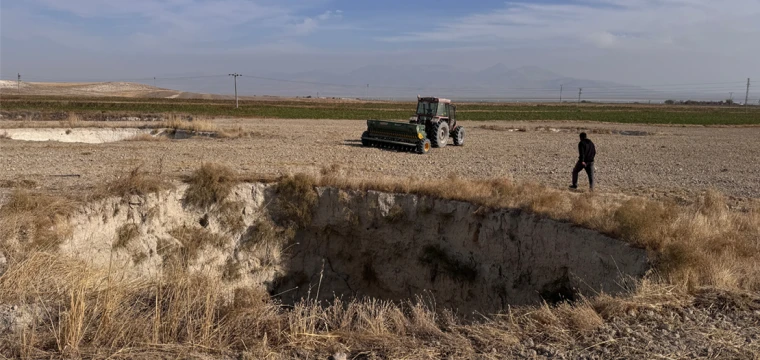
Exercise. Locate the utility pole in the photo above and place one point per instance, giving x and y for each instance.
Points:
(731, 95)
(235, 75)
(366, 96)
(560, 93)
(580, 91)
(154, 81)
(746, 95)
(18, 84)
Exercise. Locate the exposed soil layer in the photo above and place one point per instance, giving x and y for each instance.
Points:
(387, 246)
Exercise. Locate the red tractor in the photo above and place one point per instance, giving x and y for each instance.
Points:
(440, 120)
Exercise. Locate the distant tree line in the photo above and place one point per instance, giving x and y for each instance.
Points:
(694, 102)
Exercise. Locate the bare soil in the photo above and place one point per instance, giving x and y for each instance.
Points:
(658, 161)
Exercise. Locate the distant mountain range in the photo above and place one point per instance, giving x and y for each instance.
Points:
(498, 81)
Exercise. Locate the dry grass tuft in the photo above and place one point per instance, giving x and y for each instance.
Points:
(4, 135)
(32, 221)
(230, 215)
(73, 120)
(136, 182)
(645, 223)
(296, 199)
(195, 125)
(189, 245)
(209, 185)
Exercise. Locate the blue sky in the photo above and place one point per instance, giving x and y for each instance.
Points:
(629, 41)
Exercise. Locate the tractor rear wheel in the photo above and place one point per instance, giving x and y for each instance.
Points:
(365, 142)
(440, 134)
(459, 136)
(423, 146)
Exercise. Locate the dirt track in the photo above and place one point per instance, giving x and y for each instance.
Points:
(668, 161)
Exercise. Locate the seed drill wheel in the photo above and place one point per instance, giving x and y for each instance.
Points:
(365, 142)
(440, 134)
(458, 136)
(423, 146)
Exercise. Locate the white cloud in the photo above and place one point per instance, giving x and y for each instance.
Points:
(603, 23)
(162, 25)
(309, 25)
(603, 39)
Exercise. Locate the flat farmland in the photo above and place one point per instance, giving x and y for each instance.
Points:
(353, 110)
(652, 160)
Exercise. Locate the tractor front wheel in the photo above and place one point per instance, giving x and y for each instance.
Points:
(440, 134)
(423, 146)
(458, 136)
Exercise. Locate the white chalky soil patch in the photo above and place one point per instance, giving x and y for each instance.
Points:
(75, 135)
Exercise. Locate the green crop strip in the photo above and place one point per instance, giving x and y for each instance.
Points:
(315, 109)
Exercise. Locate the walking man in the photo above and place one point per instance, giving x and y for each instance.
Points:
(586, 154)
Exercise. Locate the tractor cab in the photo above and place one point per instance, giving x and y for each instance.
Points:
(432, 110)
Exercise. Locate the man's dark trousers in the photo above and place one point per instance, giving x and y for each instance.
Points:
(589, 171)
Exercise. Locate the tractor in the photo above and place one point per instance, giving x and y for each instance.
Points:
(432, 126)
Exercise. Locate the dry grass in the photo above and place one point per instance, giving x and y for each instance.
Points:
(136, 182)
(210, 185)
(296, 198)
(230, 214)
(22, 184)
(87, 312)
(195, 125)
(190, 243)
(32, 221)
(124, 236)
(4, 136)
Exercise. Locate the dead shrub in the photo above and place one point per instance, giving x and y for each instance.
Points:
(209, 185)
(296, 197)
(136, 182)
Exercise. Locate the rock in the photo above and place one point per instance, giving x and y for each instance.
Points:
(338, 356)
(15, 318)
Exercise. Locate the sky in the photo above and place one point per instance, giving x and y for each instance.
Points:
(638, 42)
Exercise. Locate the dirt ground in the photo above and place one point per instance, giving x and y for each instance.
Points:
(676, 162)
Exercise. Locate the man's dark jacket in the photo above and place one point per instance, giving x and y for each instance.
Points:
(586, 151)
